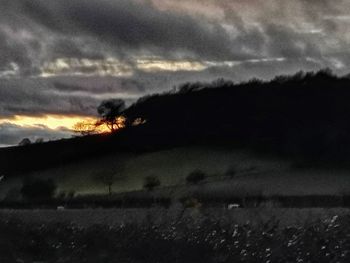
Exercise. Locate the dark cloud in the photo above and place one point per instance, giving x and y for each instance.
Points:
(286, 43)
(13, 51)
(34, 32)
(68, 47)
(105, 39)
(11, 134)
(35, 97)
(106, 85)
(128, 26)
(69, 96)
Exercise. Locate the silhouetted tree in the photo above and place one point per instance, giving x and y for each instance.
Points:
(151, 182)
(25, 142)
(71, 194)
(190, 87)
(110, 112)
(38, 188)
(61, 195)
(107, 179)
(39, 140)
(85, 128)
(195, 177)
(109, 175)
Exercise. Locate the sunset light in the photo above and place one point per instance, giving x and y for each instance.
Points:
(50, 121)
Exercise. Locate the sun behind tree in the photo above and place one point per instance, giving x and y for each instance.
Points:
(111, 119)
(111, 113)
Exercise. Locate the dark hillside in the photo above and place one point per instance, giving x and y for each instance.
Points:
(24, 159)
(304, 117)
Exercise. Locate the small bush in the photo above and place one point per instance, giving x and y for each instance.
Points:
(61, 195)
(71, 194)
(195, 177)
(191, 203)
(151, 182)
(25, 142)
(38, 189)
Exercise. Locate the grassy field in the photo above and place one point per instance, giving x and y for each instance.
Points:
(171, 166)
(215, 236)
(159, 216)
(254, 174)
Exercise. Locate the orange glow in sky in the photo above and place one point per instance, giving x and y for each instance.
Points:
(50, 121)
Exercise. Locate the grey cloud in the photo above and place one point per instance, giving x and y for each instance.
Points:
(82, 95)
(12, 134)
(99, 85)
(13, 50)
(284, 42)
(165, 81)
(35, 97)
(70, 95)
(127, 25)
(128, 29)
(69, 47)
(35, 32)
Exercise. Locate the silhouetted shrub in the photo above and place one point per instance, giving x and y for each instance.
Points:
(106, 178)
(38, 189)
(61, 195)
(195, 177)
(24, 142)
(151, 182)
(71, 194)
(190, 87)
(191, 202)
(110, 111)
(39, 140)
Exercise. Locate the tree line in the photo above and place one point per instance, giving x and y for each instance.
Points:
(303, 116)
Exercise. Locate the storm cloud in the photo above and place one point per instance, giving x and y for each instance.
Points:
(65, 57)
(11, 134)
(35, 32)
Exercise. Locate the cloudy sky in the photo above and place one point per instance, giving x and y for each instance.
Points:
(60, 59)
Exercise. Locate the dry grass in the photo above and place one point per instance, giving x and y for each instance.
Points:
(198, 236)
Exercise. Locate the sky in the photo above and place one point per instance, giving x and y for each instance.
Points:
(60, 59)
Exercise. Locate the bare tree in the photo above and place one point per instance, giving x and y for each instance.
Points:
(110, 112)
(107, 179)
(85, 128)
(109, 175)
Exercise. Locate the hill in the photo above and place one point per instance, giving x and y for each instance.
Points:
(295, 127)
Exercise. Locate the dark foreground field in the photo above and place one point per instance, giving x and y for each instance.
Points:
(319, 236)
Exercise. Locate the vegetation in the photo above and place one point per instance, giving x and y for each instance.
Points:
(24, 142)
(151, 182)
(38, 189)
(303, 117)
(186, 240)
(107, 179)
(195, 177)
(85, 128)
(108, 175)
(110, 112)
